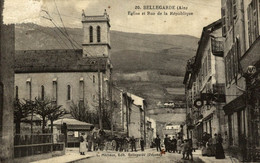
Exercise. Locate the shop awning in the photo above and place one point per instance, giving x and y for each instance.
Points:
(235, 105)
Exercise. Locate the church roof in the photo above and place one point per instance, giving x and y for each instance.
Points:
(34, 61)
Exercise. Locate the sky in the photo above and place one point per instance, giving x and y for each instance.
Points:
(31, 11)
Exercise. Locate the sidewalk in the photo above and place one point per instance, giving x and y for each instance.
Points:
(71, 155)
(207, 159)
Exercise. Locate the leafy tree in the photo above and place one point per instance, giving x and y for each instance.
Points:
(55, 114)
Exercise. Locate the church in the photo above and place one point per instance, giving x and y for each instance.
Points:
(68, 76)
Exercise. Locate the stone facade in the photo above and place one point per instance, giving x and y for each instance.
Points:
(6, 91)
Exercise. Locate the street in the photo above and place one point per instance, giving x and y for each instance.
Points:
(148, 156)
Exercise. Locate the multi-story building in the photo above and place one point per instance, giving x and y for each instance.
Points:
(79, 76)
(129, 114)
(204, 82)
(241, 53)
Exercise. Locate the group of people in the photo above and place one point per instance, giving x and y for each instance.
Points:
(98, 141)
(212, 146)
(92, 142)
(176, 145)
(124, 144)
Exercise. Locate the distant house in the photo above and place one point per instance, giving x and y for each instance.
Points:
(172, 129)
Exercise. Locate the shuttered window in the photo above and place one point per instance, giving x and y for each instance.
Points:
(224, 19)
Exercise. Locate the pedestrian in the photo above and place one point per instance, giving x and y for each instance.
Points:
(179, 143)
(210, 150)
(219, 148)
(184, 147)
(166, 143)
(174, 140)
(189, 149)
(142, 144)
(121, 142)
(194, 144)
(95, 141)
(89, 140)
(214, 143)
(82, 145)
(117, 143)
(113, 144)
(101, 138)
(133, 146)
(243, 147)
(158, 143)
(125, 144)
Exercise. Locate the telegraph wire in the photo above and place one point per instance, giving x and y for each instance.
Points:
(51, 20)
(47, 34)
(66, 32)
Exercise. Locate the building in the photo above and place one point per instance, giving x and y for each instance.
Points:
(172, 129)
(205, 85)
(241, 53)
(7, 46)
(79, 76)
(129, 114)
(150, 130)
(74, 129)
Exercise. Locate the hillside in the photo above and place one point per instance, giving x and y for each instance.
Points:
(148, 65)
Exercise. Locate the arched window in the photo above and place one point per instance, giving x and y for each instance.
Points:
(16, 93)
(90, 34)
(42, 92)
(68, 92)
(98, 34)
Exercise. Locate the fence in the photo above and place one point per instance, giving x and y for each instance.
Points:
(34, 144)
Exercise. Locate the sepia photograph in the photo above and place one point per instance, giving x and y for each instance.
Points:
(129, 81)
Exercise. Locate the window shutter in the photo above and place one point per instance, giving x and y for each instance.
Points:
(249, 18)
(232, 63)
(224, 19)
(230, 13)
(234, 8)
(226, 69)
(229, 68)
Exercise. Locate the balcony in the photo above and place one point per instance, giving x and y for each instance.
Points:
(217, 46)
(252, 56)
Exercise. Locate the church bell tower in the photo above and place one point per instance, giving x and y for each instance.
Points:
(96, 39)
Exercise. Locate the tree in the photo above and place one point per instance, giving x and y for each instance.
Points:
(82, 112)
(20, 112)
(31, 108)
(43, 108)
(55, 114)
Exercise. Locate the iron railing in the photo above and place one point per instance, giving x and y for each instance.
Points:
(34, 144)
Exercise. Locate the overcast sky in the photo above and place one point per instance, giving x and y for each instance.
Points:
(204, 13)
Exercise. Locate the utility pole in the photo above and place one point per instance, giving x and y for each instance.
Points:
(99, 98)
